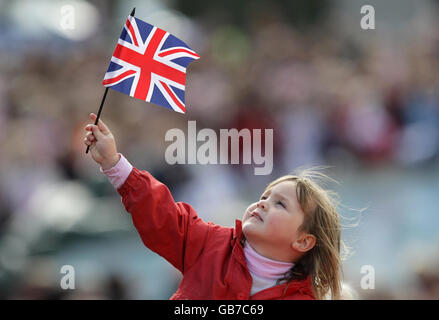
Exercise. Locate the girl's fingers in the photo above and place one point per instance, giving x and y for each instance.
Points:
(90, 137)
(102, 126)
(96, 132)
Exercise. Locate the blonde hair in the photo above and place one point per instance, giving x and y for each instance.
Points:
(323, 262)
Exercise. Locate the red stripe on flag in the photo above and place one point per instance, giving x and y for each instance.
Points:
(163, 54)
(122, 75)
(173, 97)
(133, 35)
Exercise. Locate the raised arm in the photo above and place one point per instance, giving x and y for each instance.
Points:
(173, 230)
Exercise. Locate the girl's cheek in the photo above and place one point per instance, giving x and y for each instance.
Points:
(278, 225)
(273, 224)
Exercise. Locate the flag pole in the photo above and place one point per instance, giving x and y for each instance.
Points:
(105, 93)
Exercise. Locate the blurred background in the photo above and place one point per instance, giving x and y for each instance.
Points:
(365, 102)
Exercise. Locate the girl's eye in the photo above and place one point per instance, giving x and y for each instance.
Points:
(281, 203)
(263, 198)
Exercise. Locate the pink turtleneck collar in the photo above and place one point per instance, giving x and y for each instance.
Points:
(264, 267)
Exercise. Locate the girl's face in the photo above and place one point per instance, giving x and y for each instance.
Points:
(271, 225)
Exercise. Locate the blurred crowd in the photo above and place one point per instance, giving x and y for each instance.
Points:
(331, 100)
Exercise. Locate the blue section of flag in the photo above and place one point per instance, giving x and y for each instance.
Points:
(183, 61)
(113, 66)
(124, 86)
(124, 36)
(158, 98)
(173, 41)
(179, 93)
(144, 28)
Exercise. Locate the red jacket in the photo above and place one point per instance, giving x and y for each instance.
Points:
(210, 257)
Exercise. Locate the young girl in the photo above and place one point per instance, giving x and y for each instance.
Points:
(286, 247)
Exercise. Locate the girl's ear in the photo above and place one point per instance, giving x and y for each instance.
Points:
(304, 243)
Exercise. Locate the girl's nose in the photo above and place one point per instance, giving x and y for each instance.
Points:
(262, 204)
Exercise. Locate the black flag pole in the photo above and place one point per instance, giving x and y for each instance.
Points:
(105, 93)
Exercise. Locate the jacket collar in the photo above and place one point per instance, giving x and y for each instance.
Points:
(300, 289)
(238, 228)
(237, 232)
(304, 287)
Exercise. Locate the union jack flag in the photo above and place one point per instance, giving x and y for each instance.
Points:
(150, 64)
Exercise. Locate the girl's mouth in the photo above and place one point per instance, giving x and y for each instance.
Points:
(256, 215)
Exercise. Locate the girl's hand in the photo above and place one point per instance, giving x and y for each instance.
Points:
(102, 145)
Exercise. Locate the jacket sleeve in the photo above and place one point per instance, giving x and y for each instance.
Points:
(171, 229)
